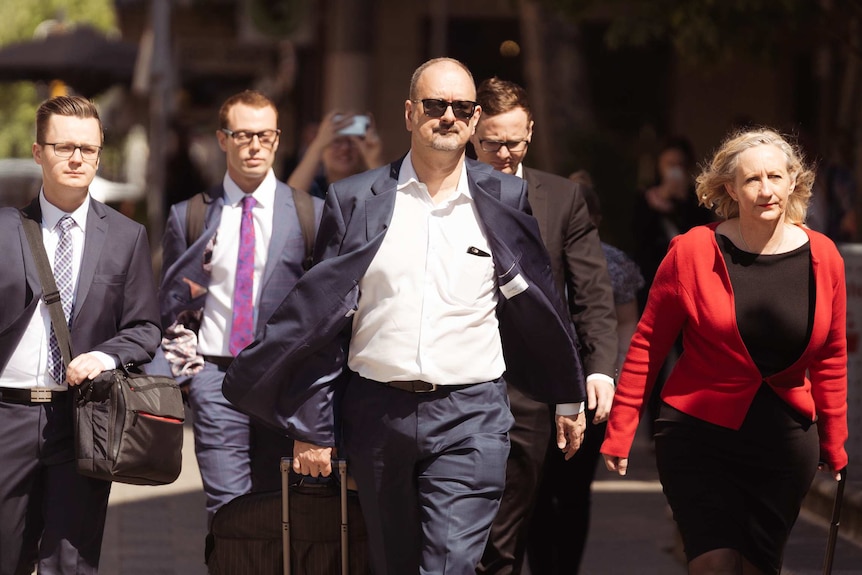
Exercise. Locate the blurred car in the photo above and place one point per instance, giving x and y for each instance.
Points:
(21, 180)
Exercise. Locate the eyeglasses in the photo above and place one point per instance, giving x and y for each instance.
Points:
(66, 150)
(244, 137)
(435, 107)
(511, 145)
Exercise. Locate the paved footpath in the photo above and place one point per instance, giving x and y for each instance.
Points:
(160, 530)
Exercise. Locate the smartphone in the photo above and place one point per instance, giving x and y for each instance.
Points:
(356, 128)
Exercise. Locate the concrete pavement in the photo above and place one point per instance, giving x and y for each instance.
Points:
(160, 530)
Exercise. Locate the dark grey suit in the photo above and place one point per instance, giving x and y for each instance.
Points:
(115, 312)
(580, 272)
(285, 378)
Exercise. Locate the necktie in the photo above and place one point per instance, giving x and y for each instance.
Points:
(63, 277)
(242, 328)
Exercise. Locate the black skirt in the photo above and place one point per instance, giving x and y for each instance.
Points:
(737, 489)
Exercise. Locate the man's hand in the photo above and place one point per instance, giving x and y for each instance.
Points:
(600, 396)
(570, 433)
(85, 366)
(309, 459)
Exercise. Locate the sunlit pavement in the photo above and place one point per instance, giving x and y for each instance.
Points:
(161, 530)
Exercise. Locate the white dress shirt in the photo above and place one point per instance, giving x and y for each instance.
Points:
(427, 308)
(214, 333)
(28, 365)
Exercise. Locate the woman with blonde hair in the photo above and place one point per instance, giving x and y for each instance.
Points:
(758, 395)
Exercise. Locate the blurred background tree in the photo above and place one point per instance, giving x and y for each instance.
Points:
(22, 20)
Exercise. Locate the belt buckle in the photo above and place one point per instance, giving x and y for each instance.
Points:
(433, 387)
(38, 395)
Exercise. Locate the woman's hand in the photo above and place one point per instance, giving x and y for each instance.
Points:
(618, 464)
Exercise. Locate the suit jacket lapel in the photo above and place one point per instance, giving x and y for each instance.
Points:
(282, 209)
(538, 198)
(381, 204)
(94, 240)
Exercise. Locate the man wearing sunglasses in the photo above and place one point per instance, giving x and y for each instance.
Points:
(219, 288)
(578, 264)
(430, 282)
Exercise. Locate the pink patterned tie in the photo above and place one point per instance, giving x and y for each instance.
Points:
(242, 328)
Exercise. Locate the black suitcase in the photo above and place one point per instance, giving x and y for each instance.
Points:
(305, 521)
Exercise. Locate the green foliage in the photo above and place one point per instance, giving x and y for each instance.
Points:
(703, 31)
(19, 20)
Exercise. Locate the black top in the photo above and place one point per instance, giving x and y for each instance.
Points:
(774, 299)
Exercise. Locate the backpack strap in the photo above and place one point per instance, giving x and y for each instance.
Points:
(197, 209)
(305, 211)
(196, 212)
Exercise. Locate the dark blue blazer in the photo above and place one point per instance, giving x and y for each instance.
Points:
(115, 309)
(181, 262)
(292, 376)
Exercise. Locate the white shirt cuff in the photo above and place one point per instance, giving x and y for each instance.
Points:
(601, 377)
(107, 360)
(570, 408)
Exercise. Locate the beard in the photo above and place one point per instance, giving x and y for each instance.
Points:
(447, 142)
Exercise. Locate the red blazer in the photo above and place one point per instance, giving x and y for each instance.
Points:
(715, 379)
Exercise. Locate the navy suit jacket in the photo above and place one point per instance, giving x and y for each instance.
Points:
(115, 309)
(181, 261)
(291, 378)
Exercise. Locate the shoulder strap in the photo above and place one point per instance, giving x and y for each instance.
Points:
(196, 212)
(305, 211)
(50, 293)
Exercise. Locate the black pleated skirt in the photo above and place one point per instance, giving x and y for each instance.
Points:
(737, 489)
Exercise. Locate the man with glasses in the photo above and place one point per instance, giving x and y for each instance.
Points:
(51, 517)
(430, 282)
(501, 139)
(219, 289)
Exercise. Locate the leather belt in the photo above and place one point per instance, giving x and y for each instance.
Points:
(31, 395)
(419, 386)
(223, 361)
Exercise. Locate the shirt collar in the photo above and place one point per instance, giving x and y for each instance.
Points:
(51, 214)
(519, 171)
(264, 194)
(407, 176)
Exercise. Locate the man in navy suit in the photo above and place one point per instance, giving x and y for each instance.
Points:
(50, 516)
(199, 290)
(430, 281)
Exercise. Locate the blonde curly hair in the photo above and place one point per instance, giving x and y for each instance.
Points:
(720, 172)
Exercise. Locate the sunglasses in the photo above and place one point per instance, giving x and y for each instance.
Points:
(435, 107)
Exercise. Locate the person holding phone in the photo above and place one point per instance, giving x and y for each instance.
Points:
(345, 144)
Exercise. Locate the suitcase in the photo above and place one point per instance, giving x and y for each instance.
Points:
(305, 522)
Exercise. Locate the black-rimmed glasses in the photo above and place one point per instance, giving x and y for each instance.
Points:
(436, 107)
(66, 150)
(491, 146)
(244, 137)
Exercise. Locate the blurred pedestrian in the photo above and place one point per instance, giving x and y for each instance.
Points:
(334, 155)
(758, 395)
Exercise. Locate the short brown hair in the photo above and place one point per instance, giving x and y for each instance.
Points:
(74, 106)
(498, 96)
(719, 172)
(251, 98)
